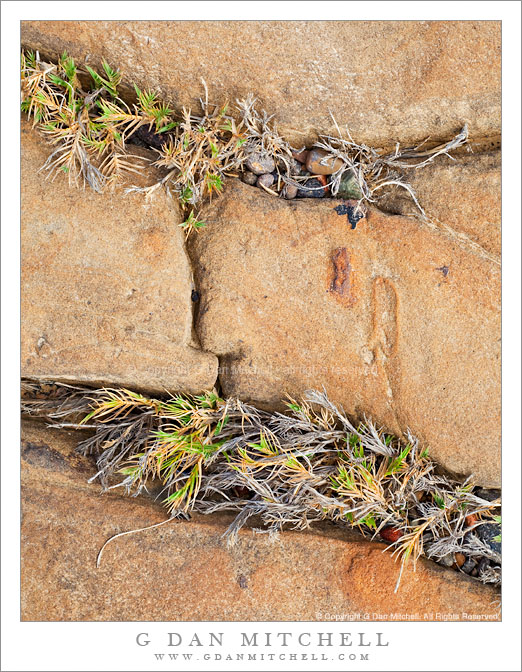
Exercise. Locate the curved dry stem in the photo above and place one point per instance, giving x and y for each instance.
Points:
(123, 534)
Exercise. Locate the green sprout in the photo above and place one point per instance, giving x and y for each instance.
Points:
(191, 223)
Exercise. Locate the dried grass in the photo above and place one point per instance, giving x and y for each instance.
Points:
(373, 170)
(290, 469)
(199, 154)
(90, 130)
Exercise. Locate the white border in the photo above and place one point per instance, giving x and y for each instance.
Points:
(267, 10)
(110, 646)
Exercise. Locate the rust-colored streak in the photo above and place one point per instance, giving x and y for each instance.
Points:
(341, 272)
(341, 277)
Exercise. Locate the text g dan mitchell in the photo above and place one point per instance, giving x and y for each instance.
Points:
(266, 639)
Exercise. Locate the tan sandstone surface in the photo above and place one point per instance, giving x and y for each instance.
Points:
(399, 320)
(464, 195)
(396, 319)
(388, 81)
(106, 286)
(184, 571)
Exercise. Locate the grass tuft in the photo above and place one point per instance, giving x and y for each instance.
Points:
(90, 129)
(290, 469)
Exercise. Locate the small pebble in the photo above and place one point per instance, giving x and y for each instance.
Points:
(468, 566)
(391, 534)
(260, 163)
(460, 559)
(289, 191)
(470, 520)
(249, 178)
(314, 165)
(487, 494)
(300, 156)
(447, 560)
(294, 166)
(266, 180)
(349, 187)
(322, 179)
(315, 193)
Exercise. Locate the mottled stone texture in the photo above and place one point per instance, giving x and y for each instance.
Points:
(464, 195)
(106, 286)
(183, 571)
(388, 81)
(397, 319)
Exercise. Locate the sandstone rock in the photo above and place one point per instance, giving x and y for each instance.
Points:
(106, 286)
(387, 81)
(464, 195)
(184, 571)
(396, 319)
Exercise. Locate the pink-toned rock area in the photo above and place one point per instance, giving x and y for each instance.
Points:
(397, 318)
